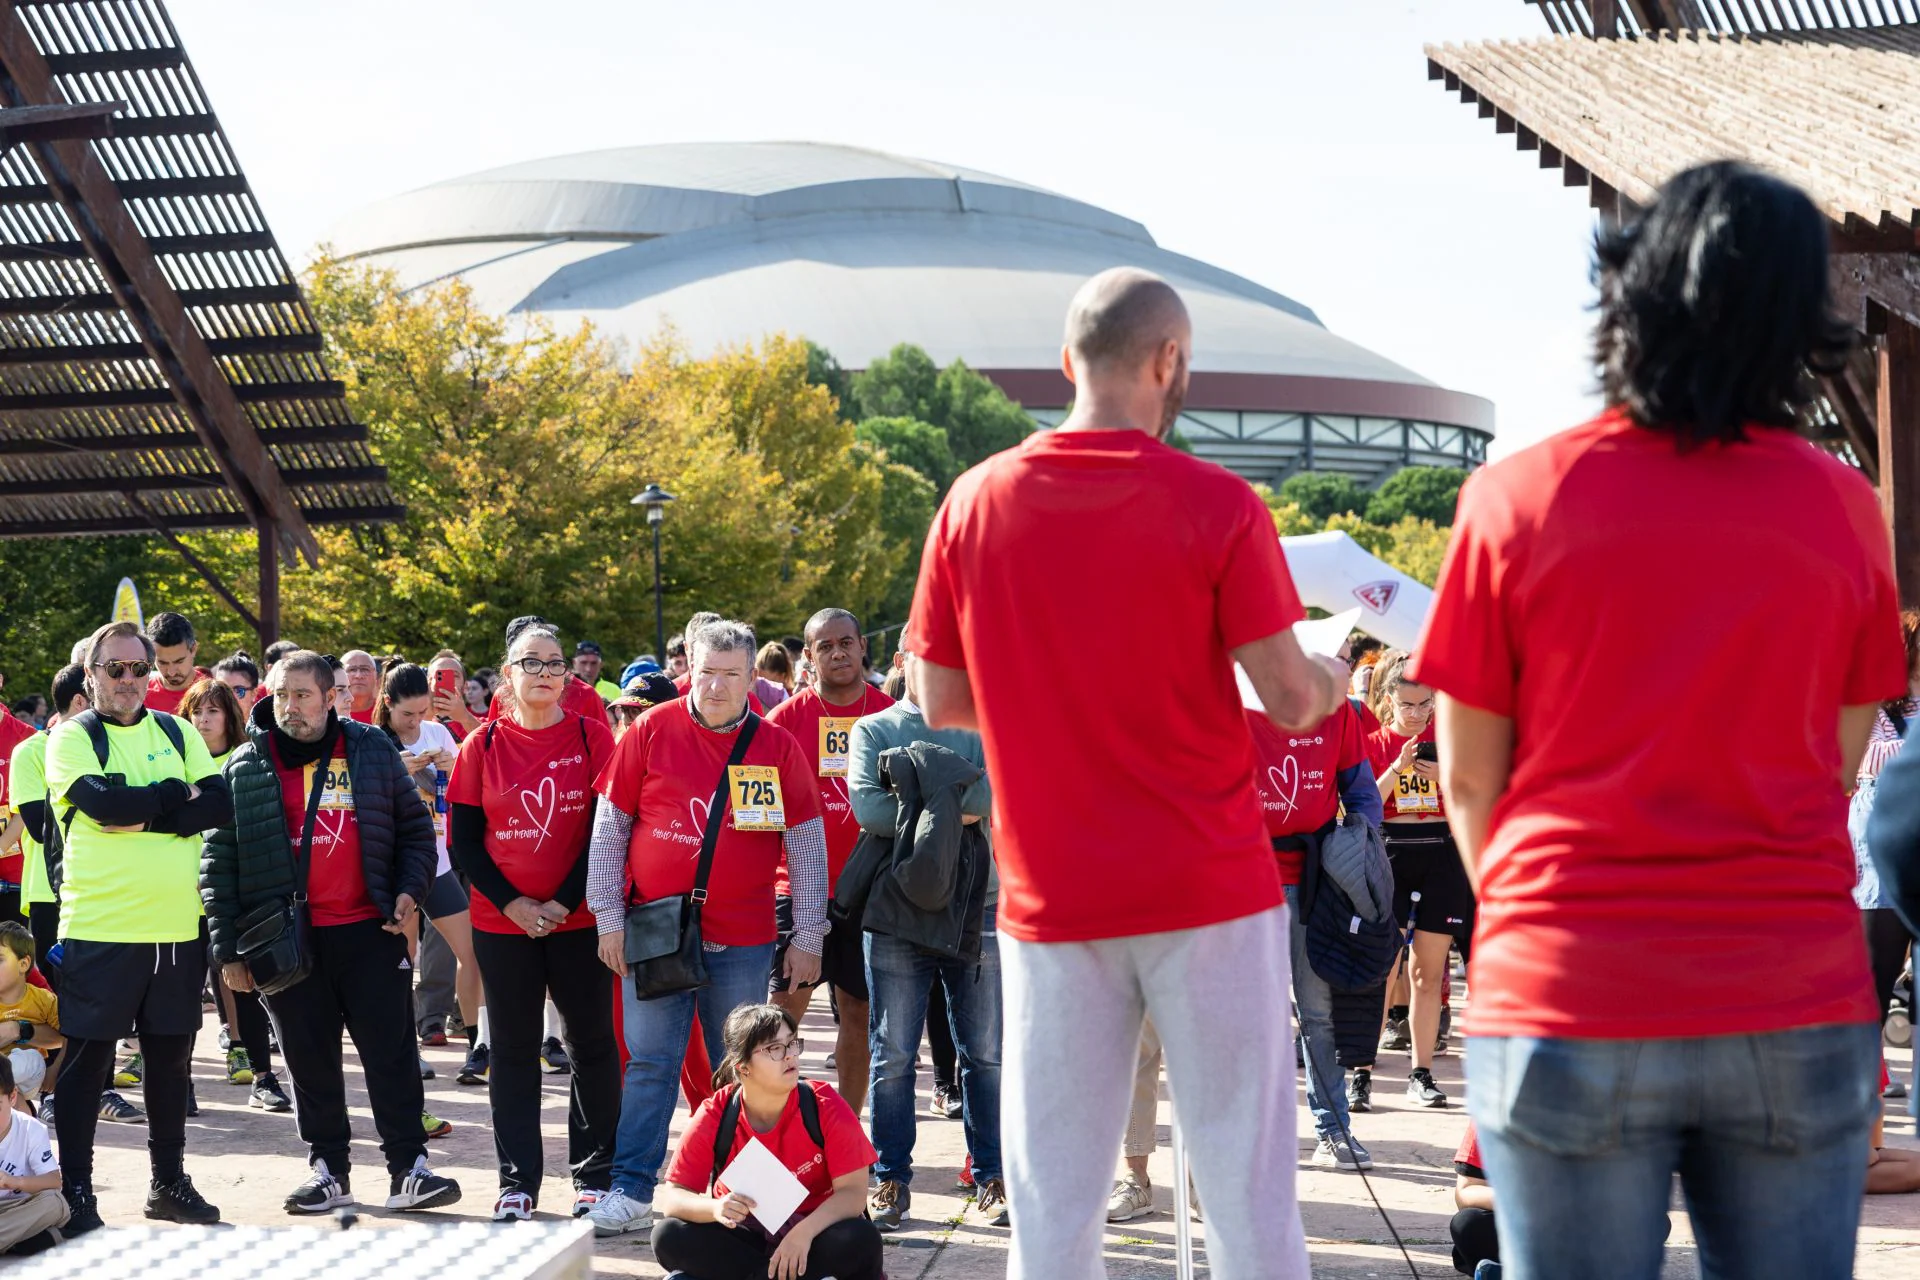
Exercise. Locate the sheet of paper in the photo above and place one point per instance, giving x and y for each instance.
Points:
(1322, 636)
(758, 1174)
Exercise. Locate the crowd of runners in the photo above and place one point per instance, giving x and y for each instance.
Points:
(1264, 879)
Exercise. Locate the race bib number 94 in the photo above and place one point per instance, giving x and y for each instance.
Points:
(757, 805)
(836, 740)
(336, 786)
(1417, 794)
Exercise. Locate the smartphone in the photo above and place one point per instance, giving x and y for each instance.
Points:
(1427, 751)
(446, 680)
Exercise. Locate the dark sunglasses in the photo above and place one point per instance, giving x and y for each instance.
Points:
(125, 670)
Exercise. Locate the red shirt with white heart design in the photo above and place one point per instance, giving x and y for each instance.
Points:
(664, 772)
(536, 788)
(1295, 774)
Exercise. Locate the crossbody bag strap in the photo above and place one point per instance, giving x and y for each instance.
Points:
(717, 812)
(305, 848)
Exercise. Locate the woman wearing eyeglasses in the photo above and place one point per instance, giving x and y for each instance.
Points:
(1431, 895)
(522, 802)
(708, 1232)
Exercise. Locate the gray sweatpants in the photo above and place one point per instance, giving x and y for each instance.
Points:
(1218, 997)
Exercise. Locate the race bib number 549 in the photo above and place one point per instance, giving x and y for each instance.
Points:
(757, 805)
(1417, 794)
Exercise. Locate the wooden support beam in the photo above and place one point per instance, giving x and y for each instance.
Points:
(162, 246)
(1898, 422)
(268, 625)
(61, 486)
(1606, 19)
(1858, 416)
(60, 120)
(132, 522)
(63, 446)
(1525, 139)
(148, 397)
(103, 225)
(1573, 174)
(1862, 281)
(53, 304)
(1550, 157)
(253, 344)
(218, 184)
(1503, 123)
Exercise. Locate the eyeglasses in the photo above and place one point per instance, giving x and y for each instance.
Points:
(780, 1052)
(125, 670)
(552, 667)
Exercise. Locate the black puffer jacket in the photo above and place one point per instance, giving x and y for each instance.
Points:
(251, 863)
(928, 885)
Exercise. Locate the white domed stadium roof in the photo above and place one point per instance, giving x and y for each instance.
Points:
(858, 251)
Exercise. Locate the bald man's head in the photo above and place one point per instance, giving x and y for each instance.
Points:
(1123, 318)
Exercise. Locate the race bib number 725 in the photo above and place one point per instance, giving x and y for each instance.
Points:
(757, 805)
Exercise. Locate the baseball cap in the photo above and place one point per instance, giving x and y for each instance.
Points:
(587, 646)
(649, 690)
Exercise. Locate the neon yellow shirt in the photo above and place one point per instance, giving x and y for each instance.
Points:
(127, 886)
(30, 784)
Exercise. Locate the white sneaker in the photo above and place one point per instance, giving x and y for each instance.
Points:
(1341, 1151)
(1129, 1200)
(513, 1206)
(617, 1214)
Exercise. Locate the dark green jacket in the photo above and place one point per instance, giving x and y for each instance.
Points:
(252, 863)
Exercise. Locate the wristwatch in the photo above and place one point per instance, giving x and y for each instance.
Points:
(26, 1031)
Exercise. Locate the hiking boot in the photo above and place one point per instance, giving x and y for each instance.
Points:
(1341, 1151)
(239, 1066)
(320, 1193)
(1396, 1038)
(1422, 1091)
(421, 1188)
(992, 1202)
(1360, 1091)
(888, 1205)
(83, 1213)
(1131, 1199)
(266, 1094)
(474, 1069)
(177, 1200)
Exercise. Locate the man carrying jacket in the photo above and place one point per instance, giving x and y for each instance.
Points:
(324, 808)
(901, 975)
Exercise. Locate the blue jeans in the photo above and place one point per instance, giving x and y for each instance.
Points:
(899, 978)
(1767, 1132)
(656, 1034)
(1326, 1085)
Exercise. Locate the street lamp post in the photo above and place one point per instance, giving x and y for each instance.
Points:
(655, 500)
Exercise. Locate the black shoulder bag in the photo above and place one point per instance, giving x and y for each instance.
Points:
(275, 942)
(663, 945)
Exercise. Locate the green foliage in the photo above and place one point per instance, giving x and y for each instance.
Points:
(1428, 493)
(1323, 495)
(824, 371)
(978, 418)
(912, 443)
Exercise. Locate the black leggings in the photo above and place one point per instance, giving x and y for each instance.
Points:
(1887, 942)
(43, 920)
(848, 1250)
(84, 1077)
(251, 1017)
(940, 1039)
(1474, 1239)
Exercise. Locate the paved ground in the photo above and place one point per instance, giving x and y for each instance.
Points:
(245, 1161)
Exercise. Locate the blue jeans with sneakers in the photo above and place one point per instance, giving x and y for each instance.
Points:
(1581, 1138)
(1326, 1087)
(656, 1033)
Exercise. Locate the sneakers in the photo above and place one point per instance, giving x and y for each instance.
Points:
(176, 1200)
(83, 1213)
(434, 1125)
(1446, 1027)
(942, 1103)
(965, 1181)
(43, 1112)
(193, 1100)
(1131, 1199)
(320, 1193)
(1396, 1038)
(584, 1199)
(553, 1057)
(239, 1066)
(115, 1109)
(434, 1039)
(1341, 1151)
(1422, 1091)
(514, 1206)
(888, 1205)
(266, 1094)
(474, 1070)
(226, 1039)
(616, 1215)
(426, 1068)
(1487, 1270)
(131, 1072)
(992, 1202)
(1360, 1090)
(421, 1188)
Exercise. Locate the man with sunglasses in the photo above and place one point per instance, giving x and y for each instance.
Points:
(134, 958)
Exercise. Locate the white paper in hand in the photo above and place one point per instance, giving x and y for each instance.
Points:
(1318, 636)
(758, 1174)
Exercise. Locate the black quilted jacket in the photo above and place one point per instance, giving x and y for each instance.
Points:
(251, 862)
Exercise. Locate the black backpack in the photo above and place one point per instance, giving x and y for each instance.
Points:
(730, 1121)
(97, 734)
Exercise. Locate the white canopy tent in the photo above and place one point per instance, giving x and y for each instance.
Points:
(1333, 572)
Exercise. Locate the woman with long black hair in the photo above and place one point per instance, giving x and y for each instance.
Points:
(522, 802)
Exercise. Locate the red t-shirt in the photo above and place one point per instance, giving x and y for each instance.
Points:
(336, 876)
(1466, 1160)
(684, 683)
(847, 1149)
(1670, 856)
(804, 716)
(1296, 775)
(1113, 815)
(13, 732)
(161, 698)
(1383, 747)
(361, 717)
(664, 772)
(576, 696)
(536, 788)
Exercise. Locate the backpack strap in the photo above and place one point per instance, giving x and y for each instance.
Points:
(723, 1136)
(169, 725)
(810, 1114)
(96, 733)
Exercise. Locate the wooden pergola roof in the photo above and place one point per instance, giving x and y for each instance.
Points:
(159, 369)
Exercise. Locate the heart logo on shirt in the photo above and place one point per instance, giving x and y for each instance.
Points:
(542, 796)
(1285, 778)
(699, 811)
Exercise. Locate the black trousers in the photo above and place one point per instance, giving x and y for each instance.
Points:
(848, 1250)
(1474, 1239)
(940, 1039)
(518, 973)
(84, 1077)
(1887, 942)
(43, 920)
(361, 983)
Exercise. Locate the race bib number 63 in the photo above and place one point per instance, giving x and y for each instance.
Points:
(836, 740)
(757, 805)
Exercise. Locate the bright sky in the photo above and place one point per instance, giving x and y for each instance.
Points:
(1297, 142)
